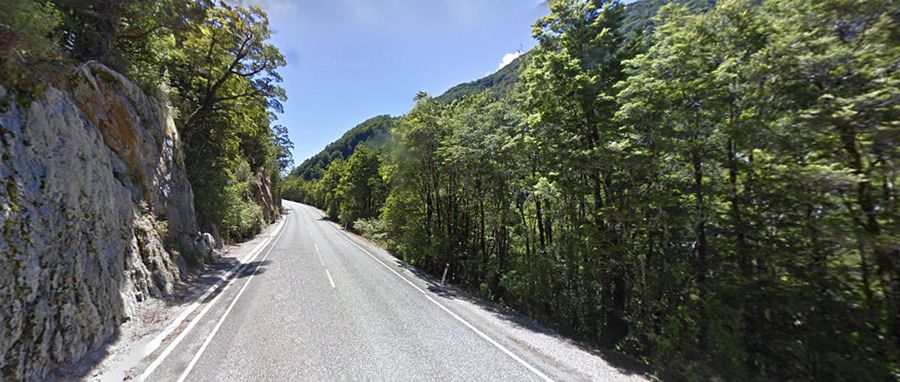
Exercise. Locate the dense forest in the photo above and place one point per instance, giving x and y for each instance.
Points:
(716, 198)
(373, 132)
(639, 16)
(499, 83)
(209, 61)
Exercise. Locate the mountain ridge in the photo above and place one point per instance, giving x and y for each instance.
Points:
(638, 16)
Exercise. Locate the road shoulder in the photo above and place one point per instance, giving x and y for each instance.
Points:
(561, 358)
(125, 355)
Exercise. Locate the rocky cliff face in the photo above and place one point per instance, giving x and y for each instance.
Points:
(262, 194)
(96, 215)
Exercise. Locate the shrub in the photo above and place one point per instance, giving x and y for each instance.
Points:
(241, 218)
(26, 26)
(373, 229)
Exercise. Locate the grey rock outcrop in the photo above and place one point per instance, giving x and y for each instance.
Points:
(96, 215)
(262, 194)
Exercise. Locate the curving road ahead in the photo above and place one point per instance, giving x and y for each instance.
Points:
(317, 303)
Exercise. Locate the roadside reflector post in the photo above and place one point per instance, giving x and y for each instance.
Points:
(444, 277)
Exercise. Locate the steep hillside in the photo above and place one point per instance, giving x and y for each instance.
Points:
(638, 15)
(374, 132)
(96, 210)
(499, 83)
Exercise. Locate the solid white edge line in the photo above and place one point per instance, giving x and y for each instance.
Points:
(168, 350)
(330, 280)
(454, 315)
(151, 346)
(154, 344)
(215, 330)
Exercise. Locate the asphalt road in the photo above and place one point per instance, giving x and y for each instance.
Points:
(318, 303)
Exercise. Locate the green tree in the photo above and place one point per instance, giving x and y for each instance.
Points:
(579, 55)
(26, 27)
(361, 187)
(768, 189)
(328, 193)
(226, 77)
(412, 212)
(134, 37)
(282, 142)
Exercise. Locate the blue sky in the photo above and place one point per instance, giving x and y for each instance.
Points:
(349, 60)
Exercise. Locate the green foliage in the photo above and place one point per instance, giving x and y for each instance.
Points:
(639, 15)
(498, 84)
(27, 26)
(240, 218)
(716, 199)
(283, 146)
(211, 62)
(361, 189)
(133, 37)
(298, 189)
(226, 77)
(349, 191)
(373, 133)
(372, 228)
(328, 192)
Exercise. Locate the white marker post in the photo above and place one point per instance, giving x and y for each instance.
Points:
(444, 278)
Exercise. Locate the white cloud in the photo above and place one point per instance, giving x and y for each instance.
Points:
(507, 58)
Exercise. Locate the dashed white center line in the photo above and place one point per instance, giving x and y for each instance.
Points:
(319, 254)
(481, 334)
(330, 280)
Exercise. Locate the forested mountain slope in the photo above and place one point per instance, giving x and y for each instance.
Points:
(498, 84)
(637, 16)
(718, 201)
(374, 132)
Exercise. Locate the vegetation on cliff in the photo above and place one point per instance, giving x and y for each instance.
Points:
(209, 61)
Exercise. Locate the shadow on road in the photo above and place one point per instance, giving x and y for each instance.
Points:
(432, 283)
(192, 287)
(187, 291)
(621, 362)
(194, 282)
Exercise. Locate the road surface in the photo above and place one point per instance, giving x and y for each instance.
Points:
(317, 303)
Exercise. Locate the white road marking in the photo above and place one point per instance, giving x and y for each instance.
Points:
(330, 280)
(319, 254)
(168, 350)
(157, 341)
(215, 330)
(454, 315)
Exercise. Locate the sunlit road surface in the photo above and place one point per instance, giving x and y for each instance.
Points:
(318, 303)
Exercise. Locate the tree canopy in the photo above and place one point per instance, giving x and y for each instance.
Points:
(211, 62)
(715, 198)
